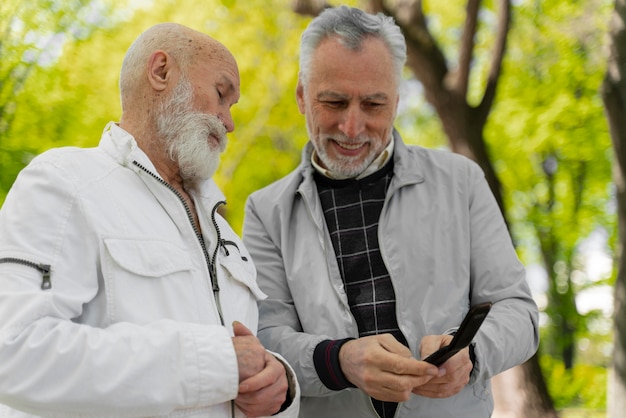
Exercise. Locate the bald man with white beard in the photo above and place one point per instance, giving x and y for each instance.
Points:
(123, 292)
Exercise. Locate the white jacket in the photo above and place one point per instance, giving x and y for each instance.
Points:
(106, 303)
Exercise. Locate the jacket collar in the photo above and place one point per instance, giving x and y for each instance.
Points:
(123, 148)
(408, 161)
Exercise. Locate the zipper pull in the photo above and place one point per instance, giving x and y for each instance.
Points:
(46, 283)
(223, 245)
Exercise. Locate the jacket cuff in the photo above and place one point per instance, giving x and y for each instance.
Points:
(326, 361)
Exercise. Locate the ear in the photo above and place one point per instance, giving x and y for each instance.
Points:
(395, 109)
(300, 97)
(159, 70)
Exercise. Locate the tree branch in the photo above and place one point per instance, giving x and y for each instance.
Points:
(466, 50)
(309, 7)
(499, 48)
(425, 58)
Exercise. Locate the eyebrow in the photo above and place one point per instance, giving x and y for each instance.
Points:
(325, 95)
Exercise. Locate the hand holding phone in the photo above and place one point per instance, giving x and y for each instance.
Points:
(463, 336)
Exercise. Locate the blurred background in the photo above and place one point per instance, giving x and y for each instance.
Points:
(514, 84)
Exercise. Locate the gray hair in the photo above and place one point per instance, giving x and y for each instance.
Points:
(351, 26)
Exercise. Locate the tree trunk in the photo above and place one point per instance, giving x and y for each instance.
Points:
(515, 398)
(614, 96)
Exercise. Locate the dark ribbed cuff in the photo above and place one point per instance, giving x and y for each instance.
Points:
(326, 361)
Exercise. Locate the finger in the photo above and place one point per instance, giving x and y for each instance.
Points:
(437, 391)
(240, 329)
(432, 343)
(389, 343)
(401, 366)
(265, 402)
(405, 382)
(393, 389)
(273, 372)
(451, 383)
(458, 365)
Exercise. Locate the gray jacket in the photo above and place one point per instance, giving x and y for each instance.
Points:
(446, 247)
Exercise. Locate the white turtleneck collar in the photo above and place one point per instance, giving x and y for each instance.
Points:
(378, 163)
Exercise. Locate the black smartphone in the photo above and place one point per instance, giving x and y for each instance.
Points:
(464, 334)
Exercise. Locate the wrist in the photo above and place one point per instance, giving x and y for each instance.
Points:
(327, 365)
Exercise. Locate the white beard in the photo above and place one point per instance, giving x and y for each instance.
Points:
(186, 135)
(341, 166)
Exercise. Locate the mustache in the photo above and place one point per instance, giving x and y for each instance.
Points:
(344, 139)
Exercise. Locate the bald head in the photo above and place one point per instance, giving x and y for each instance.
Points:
(185, 45)
(177, 87)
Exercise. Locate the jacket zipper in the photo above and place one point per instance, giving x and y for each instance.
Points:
(210, 261)
(213, 261)
(43, 268)
(213, 269)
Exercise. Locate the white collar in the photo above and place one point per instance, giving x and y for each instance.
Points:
(378, 163)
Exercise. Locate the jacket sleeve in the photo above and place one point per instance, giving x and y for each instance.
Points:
(53, 365)
(510, 334)
(280, 329)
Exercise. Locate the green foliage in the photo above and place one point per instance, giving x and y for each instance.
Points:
(550, 142)
(582, 413)
(42, 85)
(583, 386)
(270, 131)
(81, 92)
(549, 112)
(548, 139)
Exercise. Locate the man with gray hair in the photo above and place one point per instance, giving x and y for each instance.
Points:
(123, 292)
(372, 252)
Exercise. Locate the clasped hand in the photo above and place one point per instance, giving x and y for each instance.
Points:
(262, 378)
(457, 369)
(386, 370)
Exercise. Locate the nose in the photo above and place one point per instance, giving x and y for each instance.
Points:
(227, 120)
(353, 122)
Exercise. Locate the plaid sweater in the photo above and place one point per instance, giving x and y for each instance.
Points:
(352, 210)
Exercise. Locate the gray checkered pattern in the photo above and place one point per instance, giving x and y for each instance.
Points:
(352, 210)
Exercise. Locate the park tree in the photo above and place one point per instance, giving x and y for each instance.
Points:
(549, 126)
(614, 95)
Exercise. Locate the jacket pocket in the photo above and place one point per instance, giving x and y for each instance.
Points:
(242, 270)
(147, 280)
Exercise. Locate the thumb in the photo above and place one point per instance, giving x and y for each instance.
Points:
(389, 343)
(432, 343)
(240, 329)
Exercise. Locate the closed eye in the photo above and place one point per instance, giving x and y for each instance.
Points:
(336, 104)
(373, 105)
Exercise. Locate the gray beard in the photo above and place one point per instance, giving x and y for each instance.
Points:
(185, 135)
(341, 167)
